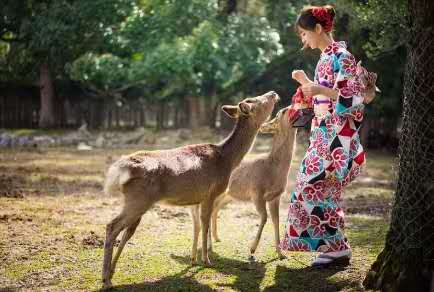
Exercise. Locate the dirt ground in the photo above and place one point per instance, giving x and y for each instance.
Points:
(52, 224)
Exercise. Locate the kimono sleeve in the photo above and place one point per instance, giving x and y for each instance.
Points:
(350, 101)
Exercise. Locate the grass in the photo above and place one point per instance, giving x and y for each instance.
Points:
(52, 225)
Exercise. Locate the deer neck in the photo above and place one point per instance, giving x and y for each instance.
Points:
(282, 149)
(239, 142)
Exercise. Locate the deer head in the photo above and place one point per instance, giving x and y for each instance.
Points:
(256, 109)
(282, 122)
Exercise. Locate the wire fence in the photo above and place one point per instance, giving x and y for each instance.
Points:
(412, 222)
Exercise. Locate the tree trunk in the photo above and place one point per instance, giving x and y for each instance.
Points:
(227, 7)
(214, 108)
(210, 106)
(406, 262)
(176, 117)
(142, 118)
(184, 113)
(117, 116)
(166, 115)
(60, 112)
(97, 110)
(203, 114)
(226, 123)
(193, 110)
(160, 116)
(47, 117)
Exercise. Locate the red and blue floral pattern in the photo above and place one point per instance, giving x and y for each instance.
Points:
(333, 159)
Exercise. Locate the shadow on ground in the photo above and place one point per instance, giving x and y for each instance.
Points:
(248, 277)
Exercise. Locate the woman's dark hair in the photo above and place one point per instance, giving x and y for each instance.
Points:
(306, 19)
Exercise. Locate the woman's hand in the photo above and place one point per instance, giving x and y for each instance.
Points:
(312, 89)
(300, 77)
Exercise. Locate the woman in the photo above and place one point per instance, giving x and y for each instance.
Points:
(335, 156)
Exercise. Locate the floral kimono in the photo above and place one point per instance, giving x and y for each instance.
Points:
(333, 159)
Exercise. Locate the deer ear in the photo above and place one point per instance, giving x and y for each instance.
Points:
(231, 110)
(246, 109)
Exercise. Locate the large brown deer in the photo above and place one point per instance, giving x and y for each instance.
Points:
(189, 175)
(262, 179)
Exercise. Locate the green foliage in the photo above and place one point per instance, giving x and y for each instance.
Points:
(106, 71)
(377, 35)
(180, 49)
(159, 21)
(165, 49)
(386, 23)
(56, 32)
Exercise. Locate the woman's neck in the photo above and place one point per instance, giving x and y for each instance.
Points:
(325, 41)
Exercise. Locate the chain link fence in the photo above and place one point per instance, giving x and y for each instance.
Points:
(412, 222)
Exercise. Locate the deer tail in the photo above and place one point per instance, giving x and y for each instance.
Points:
(116, 176)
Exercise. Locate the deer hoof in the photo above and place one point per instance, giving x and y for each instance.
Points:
(207, 263)
(252, 259)
(107, 285)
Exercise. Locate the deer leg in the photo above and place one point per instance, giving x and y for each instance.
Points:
(273, 207)
(196, 229)
(126, 236)
(214, 224)
(112, 231)
(262, 210)
(219, 203)
(209, 238)
(205, 216)
(130, 215)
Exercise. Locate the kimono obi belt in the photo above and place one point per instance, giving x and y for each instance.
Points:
(321, 105)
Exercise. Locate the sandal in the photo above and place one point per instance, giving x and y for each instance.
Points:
(341, 258)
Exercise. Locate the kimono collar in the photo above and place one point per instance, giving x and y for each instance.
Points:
(334, 47)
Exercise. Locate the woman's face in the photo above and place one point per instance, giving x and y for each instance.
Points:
(309, 38)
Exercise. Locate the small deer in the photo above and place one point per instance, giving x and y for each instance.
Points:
(262, 179)
(189, 175)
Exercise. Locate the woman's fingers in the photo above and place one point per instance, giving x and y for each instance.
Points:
(307, 89)
(300, 76)
(311, 89)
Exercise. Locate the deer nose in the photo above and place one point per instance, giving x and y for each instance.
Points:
(274, 95)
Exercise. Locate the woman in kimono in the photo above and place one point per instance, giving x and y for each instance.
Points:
(334, 156)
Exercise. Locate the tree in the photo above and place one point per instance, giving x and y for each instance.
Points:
(176, 50)
(405, 264)
(46, 35)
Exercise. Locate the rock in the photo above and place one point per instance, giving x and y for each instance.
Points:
(100, 141)
(148, 140)
(24, 141)
(83, 131)
(44, 140)
(84, 147)
(185, 134)
(5, 140)
(134, 137)
(68, 140)
(164, 140)
(73, 138)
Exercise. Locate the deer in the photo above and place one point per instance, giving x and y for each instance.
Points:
(184, 176)
(263, 179)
